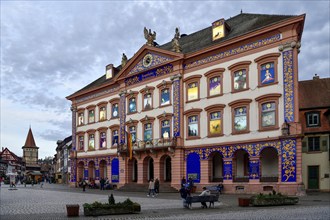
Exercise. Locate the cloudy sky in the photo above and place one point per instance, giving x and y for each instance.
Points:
(50, 49)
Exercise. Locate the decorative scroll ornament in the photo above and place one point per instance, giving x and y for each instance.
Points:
(123, 60)
(150, 37)
(176, 47)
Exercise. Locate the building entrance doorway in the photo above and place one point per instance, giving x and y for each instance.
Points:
(313, 177)
(168, 169)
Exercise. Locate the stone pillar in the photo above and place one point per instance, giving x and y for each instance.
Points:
(156, 167)
(73, 152)
(227, 170)
(177, 108)
(140, 171)
(178, 168)
(122, 117)
(204, 172)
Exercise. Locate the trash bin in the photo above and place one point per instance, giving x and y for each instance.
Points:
(72, 210)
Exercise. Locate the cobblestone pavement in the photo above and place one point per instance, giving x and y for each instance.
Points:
(49, 203)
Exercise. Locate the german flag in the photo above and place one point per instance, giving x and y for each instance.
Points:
(129, 145)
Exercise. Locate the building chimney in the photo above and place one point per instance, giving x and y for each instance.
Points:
(315, 77)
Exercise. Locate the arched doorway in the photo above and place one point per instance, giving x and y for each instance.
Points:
(269, 165)
(241, 166)
(91, 170)
(103, 169)
(80, 171)
(148, 169)
(132, 170)
(216, 167)
(165, 168)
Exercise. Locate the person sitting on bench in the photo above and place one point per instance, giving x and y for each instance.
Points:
(205, 192)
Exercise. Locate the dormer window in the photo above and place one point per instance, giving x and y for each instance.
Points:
(219, 29)
(109, 71)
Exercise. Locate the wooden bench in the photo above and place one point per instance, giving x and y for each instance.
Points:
(194, 199)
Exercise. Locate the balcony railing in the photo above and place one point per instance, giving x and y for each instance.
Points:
(155, 144)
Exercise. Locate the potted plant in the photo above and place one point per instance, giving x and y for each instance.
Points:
(273, 199)
(111, 208)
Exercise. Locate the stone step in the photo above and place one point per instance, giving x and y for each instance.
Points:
(135, 187)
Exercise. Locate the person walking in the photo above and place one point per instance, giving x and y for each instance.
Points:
(84, 185)
(102, 182)
(151, 188)
(184, 194)
(157, 186)
(205, 192)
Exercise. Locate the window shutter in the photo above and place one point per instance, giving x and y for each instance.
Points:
(324, 143)
(304, 145)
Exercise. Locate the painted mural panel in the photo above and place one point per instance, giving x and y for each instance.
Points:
(115, 170)
(267, 74)
(193, 167)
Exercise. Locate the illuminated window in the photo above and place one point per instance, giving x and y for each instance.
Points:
(215, 120)
(103, 140)
(193, 126)
(240, 119)
(81, 142)
(267, 69)
(132, 105)
(91, 116)
(166, 129)
(114, 137)
(91, 142)
(240, 76)
(215, 123)
(80, 118)
(115, 112)
(147, 101)
(165, 97)
(103, 113)
(192, 91)
(148, 132)
(240, 80)
(267, 73)
(268, 116)
(215, 86)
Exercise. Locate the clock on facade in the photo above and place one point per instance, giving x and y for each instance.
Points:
(147, 60)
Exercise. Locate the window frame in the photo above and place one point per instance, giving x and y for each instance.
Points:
(319, 141)
(210, 75)
(103, 130)
(189, 113)
(212, 109)
(112, 103)
(164, 117)
(81, 111)
(89, 109)
(273, 97)
(102, 105)
(189, 80)
(264, 59)
(112, 129)
(244, 65)
(129, 96)
(240, 104)
(318, 118)
(78, 135)
(162, 86)
(90, 133)
(144, 92)
(147, 120)
(134, 123)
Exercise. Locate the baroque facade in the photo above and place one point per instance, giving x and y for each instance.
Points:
(220, 104)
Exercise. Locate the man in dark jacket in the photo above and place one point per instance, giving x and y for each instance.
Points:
(184, 194)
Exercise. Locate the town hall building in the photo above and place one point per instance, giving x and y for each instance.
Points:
(217, 105)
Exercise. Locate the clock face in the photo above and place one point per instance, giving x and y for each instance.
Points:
(218, 32)
(147, 60)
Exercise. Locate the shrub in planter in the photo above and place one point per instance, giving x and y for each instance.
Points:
(111, 208)
(273, 199)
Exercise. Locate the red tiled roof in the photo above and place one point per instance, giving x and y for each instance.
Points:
(30, 140)
(314, 93)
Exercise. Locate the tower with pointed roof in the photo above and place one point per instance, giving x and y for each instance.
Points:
(30, 152)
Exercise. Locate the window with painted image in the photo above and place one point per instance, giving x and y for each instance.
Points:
(165, 97)
(240, 119)
(267, 73)
(268, 114)
(114, 137)
(115, 111)
(215, 86)
(103, 139)
(147, 101)
(103, 113)
(80, 118)
(166, 129)
(91, 116)
(132, 105)
(240, 79)
(148, 132)
(193, 126)
(215, 123)
(81, 142)
(132, 131)
(192, 91)
(91, 142)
